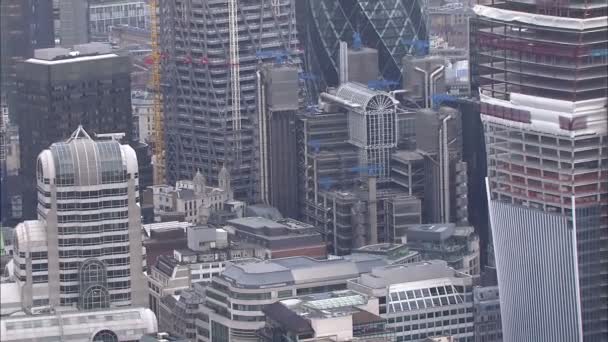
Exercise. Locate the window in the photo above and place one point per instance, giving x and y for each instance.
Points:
(105, 336)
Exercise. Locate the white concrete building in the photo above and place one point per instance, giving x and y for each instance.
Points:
(192, 198)
(85, 249)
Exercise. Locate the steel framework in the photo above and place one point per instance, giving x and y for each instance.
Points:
(203, 70)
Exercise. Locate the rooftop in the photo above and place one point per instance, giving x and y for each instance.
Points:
(165, 226)
(298, 270)
(295, 314)
(277, 229)
(427, 271)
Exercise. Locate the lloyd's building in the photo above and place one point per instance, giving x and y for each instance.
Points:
(541, 70)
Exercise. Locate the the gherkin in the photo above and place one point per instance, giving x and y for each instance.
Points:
(387, 25)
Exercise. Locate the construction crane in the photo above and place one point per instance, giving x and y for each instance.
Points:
(235, 71)
(157, 107)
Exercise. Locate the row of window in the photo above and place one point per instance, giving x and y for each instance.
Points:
(92, 205)
(93, 241)
(93, 217)
(89, 194)
(89, 253)
(102, 228)
(73, 265)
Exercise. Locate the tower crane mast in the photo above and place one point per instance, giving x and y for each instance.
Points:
(233, 28)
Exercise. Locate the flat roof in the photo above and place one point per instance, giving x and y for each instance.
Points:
(71, 60)
(298, 270)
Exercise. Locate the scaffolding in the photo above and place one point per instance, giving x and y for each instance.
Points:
(532, 55)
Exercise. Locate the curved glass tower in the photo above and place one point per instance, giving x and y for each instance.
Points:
(541, 71)
(383, 24)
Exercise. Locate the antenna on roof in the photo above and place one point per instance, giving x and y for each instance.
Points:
(79, 133)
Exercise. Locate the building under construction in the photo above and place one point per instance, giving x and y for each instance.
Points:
(210, 120)
(541, 70)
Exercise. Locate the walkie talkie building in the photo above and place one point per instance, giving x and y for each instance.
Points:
(541, 70)
(387, 25)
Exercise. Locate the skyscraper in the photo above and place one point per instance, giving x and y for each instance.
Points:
(58, 90)
(388, 25)
(85, 248)
(197, 87)
(541, 71)
(25, 25)
(73, 22)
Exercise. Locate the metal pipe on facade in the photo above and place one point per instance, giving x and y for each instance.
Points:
(426, 86)
(263, 137)
(336, 99)
(432, 81)
(444, 168)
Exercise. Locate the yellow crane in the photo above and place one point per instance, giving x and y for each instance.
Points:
(157, 107)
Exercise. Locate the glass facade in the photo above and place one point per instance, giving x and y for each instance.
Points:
(386, 25)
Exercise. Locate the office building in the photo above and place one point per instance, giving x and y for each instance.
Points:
(543, 107)
(164, 238)
(143, 117)
(234, 300)
(85, 248)
(350, 219)
(393, 253)
(197, 74)
(278, 104)
(338, 316)
(326, 159)
(192, 200)
(386, 25)
(105, 14)
(345, 169)
(420, 300)
(486, 306)
(128, 324)
(73, 22)
(205, 257)
(439, 141)
(58, 90)
(178, 312)
(25, 25)
(280, 238)
(456, 245)
(372, 126)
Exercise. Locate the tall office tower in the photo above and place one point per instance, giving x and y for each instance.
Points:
(58, 90)
(439, 142)
(387, 25)
(541, 70)
(278, 104)
(85, 248)
(25, 25)
(197, 78)
(73, 22)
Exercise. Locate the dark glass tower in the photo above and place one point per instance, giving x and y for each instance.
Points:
(386, 25)
(541, 71)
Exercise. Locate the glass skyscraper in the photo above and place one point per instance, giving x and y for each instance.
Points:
(387, 25)
(541, 72)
